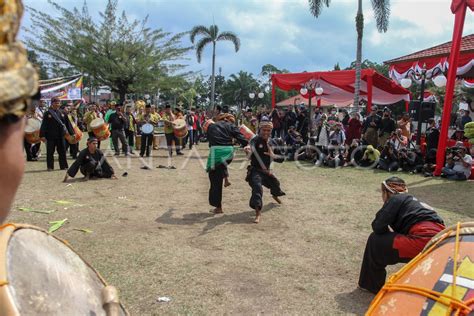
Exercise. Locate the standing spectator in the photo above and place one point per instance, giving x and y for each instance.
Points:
(398, 140)
(118, 122)
(130, 128)
(405, 125)
(277, 123)
(387, 127)
(189, 118)
(345, 119)
(303, 124)
(466, 118)
(371, 127)
(72, 117)
(432, 136)
(354, 128)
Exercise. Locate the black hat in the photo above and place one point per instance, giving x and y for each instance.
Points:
(218, 108)
(167, 106)
(91, 139)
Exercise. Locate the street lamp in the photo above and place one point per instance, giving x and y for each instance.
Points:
(260, 95)
(306, 88)
(438, 79)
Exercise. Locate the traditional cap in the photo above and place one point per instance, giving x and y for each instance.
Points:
(266, 124)
(18, 78)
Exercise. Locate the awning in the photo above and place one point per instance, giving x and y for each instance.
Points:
(299, 99)
(436, 56)
(338, 86)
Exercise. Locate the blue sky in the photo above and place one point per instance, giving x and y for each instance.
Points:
(285, 34)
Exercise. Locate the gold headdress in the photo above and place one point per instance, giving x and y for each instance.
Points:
(18, 78)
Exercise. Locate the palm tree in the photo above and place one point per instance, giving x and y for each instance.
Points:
(382, 13)
(211, 35)
(239, 86)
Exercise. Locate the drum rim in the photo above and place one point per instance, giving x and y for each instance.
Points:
(466, 228)
(6, 232)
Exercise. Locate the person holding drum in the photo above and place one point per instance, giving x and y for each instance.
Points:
(92, 163)
(89, 116)
(146, 128)
(118, 122)
(32, 149)
(53, 129)
(259, 173)
(168, 117)
(401, 229)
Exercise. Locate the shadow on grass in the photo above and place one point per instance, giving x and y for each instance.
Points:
(42, 171)
(211, 220)
(356, 302)
(452, 196)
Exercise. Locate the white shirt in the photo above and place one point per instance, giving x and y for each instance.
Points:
(459, 166)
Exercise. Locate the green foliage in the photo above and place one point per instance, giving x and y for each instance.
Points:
(367, 64)
(39, 64)
(126, 56)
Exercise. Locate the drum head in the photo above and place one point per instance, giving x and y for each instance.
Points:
(147, 128)
(97, 122)
(32, 125)
(47, 278)
(179, 123)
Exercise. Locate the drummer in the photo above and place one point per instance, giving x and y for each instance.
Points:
(89, 116)
(146, 137)
(32, 150)
(92, 163)
(168, 117)
(401, 229)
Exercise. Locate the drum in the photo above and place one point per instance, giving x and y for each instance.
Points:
(74, 139)
(247, 132)
(179, 128)
(100, 129)
(138, 142)
(147, 128)
(206, 125)
(425, 285)
(42, 275)
(32, 130)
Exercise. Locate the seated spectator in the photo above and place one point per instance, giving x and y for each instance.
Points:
(388, 158)
(294, 141)
(458, 136)
(370, 157)
(458, 164)
(334, 158)
(354, 153)
(410, 160)
(430, 163)
(398, 140)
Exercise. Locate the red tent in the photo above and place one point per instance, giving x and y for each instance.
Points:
(338, 86)
(299, 99)
(436, 56)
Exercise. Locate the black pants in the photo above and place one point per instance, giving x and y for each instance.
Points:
(60, 146)
(90, 170)
(116, 135)
(130, 136)
(216, 178)
(91, 134)
(256, 180)
(379, 253)
(276, 132)
(31, 150)
(169, 142)
(73, 149)
(147, 140)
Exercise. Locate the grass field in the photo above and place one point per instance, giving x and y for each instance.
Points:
(153, 234)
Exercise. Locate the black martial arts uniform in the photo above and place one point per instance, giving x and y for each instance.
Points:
(221, 134)
(91, 165)
(413, 223)
(259, 174)
(54, 126)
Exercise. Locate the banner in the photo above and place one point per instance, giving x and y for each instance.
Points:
(71, 90)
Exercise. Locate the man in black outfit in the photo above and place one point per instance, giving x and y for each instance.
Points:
(53, 128)
(387, 127)
(91, 162)
(258, 174)
(401, 229)
(118, 121)
(432, 136)
(221, 150)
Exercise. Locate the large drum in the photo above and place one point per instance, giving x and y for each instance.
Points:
(100, 129)
(74, 139)
(147, 128)
(42, 275)
(32, 130)
(206, 125)
(179, 128)
(247, 132)
(425, 285)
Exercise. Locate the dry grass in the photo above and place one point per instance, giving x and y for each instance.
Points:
(161, 240)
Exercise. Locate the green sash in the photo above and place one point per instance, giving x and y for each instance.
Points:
(218, 155)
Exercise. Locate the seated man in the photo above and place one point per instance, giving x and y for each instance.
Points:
(410, 160)
(398, 140)
(401, 229)
(91, 162)
(458, 164)
(388, 158)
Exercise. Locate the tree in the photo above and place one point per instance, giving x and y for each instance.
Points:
(238, 87)
(381, 12)
(126, 56)
(367, 64)
(337, 67)
(38, 64)
(211, 35)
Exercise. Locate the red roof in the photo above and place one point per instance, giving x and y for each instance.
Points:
(467, 46)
